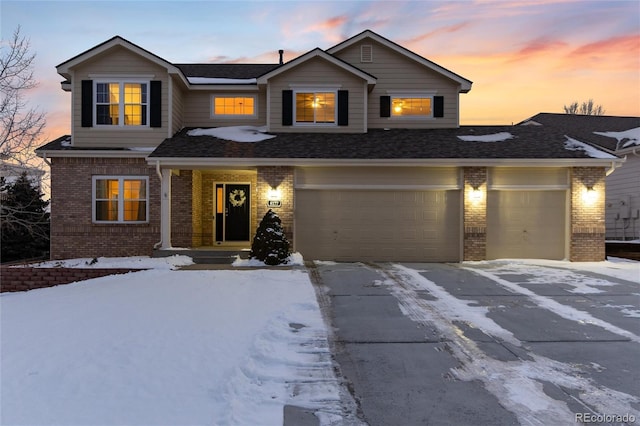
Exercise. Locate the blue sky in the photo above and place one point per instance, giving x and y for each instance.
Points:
(523, 56)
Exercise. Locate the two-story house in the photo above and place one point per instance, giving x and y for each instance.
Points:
(357, 148)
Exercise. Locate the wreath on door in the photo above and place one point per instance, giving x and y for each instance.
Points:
(237, 198)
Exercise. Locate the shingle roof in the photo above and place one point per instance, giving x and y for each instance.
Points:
(581, 127)
(528, 142)
(239, 71)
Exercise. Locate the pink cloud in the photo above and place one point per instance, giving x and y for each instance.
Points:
(625, 46)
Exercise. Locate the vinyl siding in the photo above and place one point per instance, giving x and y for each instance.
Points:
(197, 110)
(396, 72)
(623, 183)
(120, 62)
(178, 106)
(318, 72)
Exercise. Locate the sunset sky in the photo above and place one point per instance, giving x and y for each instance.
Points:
(523, 56)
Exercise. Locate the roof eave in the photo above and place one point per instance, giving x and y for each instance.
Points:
(205, 162)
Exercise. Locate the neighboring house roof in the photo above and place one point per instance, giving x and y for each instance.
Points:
(589, 128)
(465, 85)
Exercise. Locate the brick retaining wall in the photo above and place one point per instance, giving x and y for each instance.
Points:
(22, 279)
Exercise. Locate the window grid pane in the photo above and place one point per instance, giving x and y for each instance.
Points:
(316, 107)
(408, 107)
(107, 103)
(233, 106)
(121, 200)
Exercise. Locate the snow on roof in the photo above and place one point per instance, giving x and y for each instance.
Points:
(632, 136)
(574, 145)
(216, 80)
(234, 133)
(496, 137)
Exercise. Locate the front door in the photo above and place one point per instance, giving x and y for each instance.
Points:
(233, 212)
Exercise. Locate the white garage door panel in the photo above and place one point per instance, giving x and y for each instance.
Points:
(526, 224)
(353, 225)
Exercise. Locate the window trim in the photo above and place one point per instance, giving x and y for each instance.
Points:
(212, 107)
(314, 90)
(413, 95)
(121, 82)
(120, 179)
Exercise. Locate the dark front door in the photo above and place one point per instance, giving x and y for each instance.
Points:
(236, 214)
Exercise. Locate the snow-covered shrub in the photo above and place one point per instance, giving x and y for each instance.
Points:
(270, 245)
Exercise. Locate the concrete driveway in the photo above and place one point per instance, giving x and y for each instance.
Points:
(484, 343)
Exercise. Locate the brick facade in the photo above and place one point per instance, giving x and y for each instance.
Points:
(587, 214)
(181, 209)
(281, 178)
(73, 233)
(475, 213)
(27, 278)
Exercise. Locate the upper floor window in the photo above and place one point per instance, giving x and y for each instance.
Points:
(411, 107)
(121, 103)
(120, 199)
(315, 107)
(234, 106)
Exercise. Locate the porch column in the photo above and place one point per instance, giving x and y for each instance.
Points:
(165, 209)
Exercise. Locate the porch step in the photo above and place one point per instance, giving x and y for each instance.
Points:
(212, 257)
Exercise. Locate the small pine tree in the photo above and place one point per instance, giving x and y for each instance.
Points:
(270, 245)
(25, 220)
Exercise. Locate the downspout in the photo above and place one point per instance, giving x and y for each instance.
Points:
(159, 243)
(614, 166)
(44, 158)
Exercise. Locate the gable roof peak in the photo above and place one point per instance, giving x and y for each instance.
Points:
(117, 40)
(465, 84)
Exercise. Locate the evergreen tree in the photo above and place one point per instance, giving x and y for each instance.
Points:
(25, 220)
(270, 245)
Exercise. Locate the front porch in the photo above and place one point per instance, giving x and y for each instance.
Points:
(215, 211)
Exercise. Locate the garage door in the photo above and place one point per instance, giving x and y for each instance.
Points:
(378, 225)
(526, 224)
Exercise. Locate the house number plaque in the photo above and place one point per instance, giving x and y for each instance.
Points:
(274, 203)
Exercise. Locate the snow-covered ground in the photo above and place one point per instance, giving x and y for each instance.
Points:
(165, 347)
(220, 347)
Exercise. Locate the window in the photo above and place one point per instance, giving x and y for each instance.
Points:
(120, 199)
(121, 103)
(234, 105)
(411, 107)
(315, 107)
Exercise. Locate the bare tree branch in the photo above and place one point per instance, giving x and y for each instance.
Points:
(21, 126)
(585, 108)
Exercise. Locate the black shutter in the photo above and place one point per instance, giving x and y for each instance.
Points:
(287, 107)
(385, 106)
(155, 93)
(438, 106)
(86, 99)
(343, 107)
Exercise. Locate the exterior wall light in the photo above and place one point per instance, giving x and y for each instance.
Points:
(274, 194)
(476, 194)
(589, 195)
